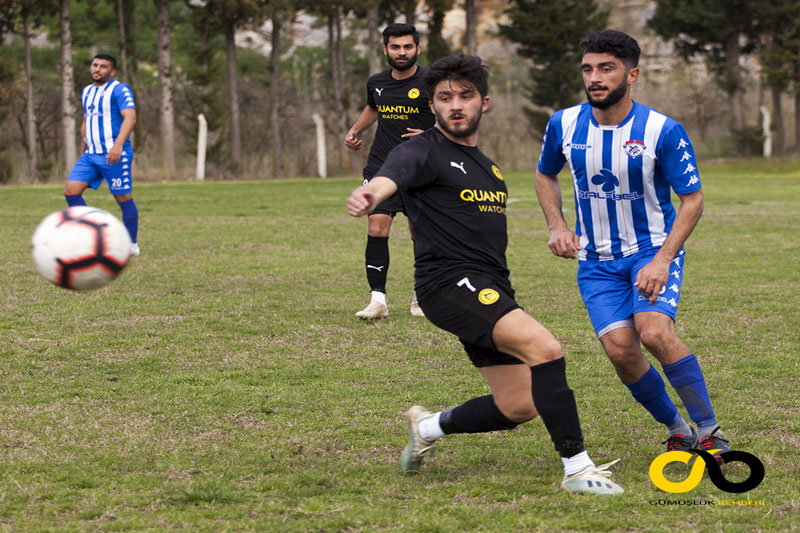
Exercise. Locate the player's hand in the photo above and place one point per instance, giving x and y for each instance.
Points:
(114, 155)
(352, 141)
(411, 133)
(652, 278)
(564, 243)
(360, 202)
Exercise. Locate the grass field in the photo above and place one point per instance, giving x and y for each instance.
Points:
(223, 383)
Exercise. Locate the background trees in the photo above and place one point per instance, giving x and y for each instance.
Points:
(259, 69)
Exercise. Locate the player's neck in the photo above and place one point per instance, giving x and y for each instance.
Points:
(472, 140)
(614, 115)
(404, 74)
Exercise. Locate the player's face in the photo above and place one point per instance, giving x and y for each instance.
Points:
(606, 79)
(458, 107)
(401, 52)
(101, 70)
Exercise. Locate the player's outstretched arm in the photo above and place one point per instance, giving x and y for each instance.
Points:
(362, 201)
(563, 241)
(366, 119)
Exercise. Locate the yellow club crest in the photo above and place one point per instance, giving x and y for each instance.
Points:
(488, 296)
(497, 173)
(413, 93)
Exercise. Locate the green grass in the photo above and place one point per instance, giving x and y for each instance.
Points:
(223, 383)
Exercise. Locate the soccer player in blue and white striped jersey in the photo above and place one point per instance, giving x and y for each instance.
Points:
(625, 159)
(109, 116)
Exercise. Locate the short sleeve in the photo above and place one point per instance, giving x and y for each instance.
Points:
(371, 95)
(124, 97)
(552, 159)
(405, 163)
(676, 159)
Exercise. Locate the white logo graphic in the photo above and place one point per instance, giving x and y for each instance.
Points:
(685, 156)
(677, 274)
(694, 179)
(677, 260)
(682, 144)
(465, 281)
(459, 166)
(663, 290)
(378, 268)
(672, 302)
(379, 91)
(689, 168)
(674, 288)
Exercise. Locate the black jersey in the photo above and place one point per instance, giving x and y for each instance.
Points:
(400, 104)
(455, 198)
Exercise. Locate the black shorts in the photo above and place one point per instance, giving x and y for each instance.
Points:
(468, 306)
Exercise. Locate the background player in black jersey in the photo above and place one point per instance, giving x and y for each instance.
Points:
(455, 198)
(396, 98)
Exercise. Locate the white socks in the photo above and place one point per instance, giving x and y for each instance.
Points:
(378, 296)
(429, 428)
(576, 463)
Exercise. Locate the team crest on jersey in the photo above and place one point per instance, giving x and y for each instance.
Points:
(488, 296)
(496, 172)
(634, 148)
(413, 93)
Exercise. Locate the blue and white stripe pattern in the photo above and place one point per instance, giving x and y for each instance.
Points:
(102, 106)
(622, 176)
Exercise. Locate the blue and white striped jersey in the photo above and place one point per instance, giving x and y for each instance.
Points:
(621, 176)
(102, 117)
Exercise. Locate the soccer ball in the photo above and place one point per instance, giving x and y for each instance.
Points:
(81, 248)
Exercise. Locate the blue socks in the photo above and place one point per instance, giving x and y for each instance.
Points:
(130, 217)
(687, 379)
(652, 394)
(74, 199)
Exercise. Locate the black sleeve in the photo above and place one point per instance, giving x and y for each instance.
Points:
(371, 95)
(405, 164)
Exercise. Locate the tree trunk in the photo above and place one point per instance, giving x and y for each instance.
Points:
(33, 152)
(123, 45)
(67, 90)
(777, 113)
(373, 40)
(797, 106)
(167, 117)
(734, 82)
(275, 96)
(470, 32)
(233, 97)
(337, 75)
(411, 12)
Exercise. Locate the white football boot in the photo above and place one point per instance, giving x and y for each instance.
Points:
(374, 311)
(416, 310)
(592, 480)
(135, 249)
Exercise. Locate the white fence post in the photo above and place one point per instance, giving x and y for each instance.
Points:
(202, 139)
(322, 160)
(766, 128)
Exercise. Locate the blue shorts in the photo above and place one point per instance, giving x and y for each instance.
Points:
(93, 169)
(612, 300)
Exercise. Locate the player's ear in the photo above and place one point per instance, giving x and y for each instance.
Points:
(485, 105)
(633, 75)
(385, 51)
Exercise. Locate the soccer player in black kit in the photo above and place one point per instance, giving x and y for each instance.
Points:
(396, 98)
(456, 199)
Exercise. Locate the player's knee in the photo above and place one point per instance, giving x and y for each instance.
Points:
(520, 412)
(656, 339)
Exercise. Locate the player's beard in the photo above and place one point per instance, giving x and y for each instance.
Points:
(469, 129)
(613, 96)
(410, 62)
(102, 79)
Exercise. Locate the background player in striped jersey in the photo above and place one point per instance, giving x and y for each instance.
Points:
(109, 116)
(625, 157)
(396, 99)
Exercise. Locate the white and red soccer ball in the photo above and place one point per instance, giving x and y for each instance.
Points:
(81, 248)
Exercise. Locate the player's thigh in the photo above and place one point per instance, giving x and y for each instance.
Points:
(468, 305)
(511, 390)
(519, 334)
(607, 293)
(118, 175)
(83, 174)
(670, 295)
